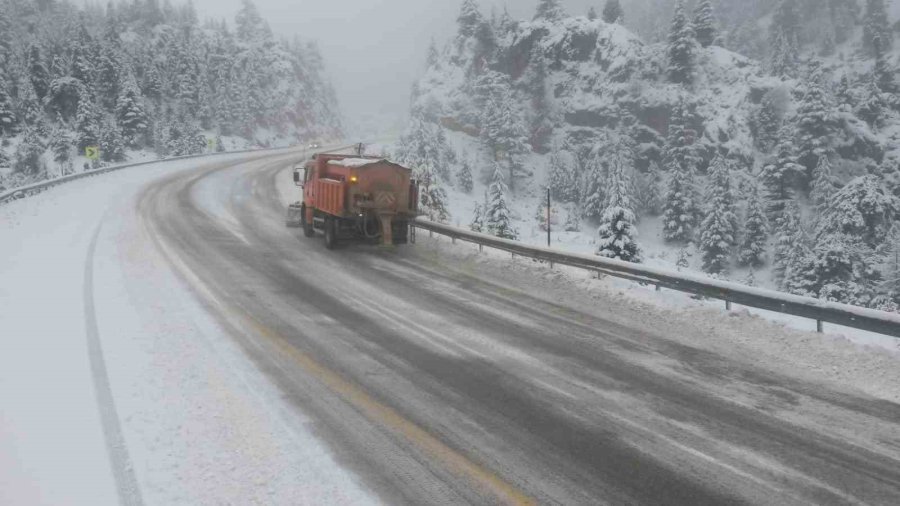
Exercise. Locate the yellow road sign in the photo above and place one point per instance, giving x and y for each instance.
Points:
(92, 152)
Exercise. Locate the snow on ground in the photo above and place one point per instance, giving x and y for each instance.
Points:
(200, 423)
(848, 358)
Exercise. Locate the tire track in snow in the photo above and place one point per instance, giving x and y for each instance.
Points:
(126, 482)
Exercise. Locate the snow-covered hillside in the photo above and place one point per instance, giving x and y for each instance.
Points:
(139, 80)
(628, 134)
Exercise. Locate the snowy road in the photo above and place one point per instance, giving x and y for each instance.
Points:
(247, 365)
(437, 384)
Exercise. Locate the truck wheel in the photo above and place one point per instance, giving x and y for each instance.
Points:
(308, 229)
(330, 233)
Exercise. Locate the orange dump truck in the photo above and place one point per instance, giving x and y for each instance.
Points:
(353, 197)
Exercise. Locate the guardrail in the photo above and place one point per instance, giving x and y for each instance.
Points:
(35, 188)
(732, 293)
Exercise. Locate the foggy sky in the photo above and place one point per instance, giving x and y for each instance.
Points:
(373, 49)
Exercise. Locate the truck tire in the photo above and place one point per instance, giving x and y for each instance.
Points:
(308, 229)
(330, 232)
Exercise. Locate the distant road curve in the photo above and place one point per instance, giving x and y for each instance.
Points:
(440, 385)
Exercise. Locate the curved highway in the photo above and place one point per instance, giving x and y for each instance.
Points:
(441, 383)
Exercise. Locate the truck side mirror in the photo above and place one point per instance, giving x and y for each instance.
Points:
(299, 176)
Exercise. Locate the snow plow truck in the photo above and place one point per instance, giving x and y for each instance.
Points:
(354, 197)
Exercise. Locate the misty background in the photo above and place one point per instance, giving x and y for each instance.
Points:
(374, 49)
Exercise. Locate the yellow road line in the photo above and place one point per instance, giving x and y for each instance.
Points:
(388, 417)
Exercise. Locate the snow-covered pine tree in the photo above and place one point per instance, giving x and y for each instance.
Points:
(779, 175)
(718, 230)
(432, 197)
(29, 152)
(37, 72)
(503, 134)
(816, 123)
(784, 34)
(250, 26)
(705, 23)
(550, 10)
(31, 112)
(890, 286)
(464, 176)
(112, 145)
(767, 123)
(612, 12)
(755, 231)
(863, 209)
(130, 112)
(109, 72)
(497, 219)
(477, 224)
(681, 47)
(876, 24)
(823, 185)
(842, 270)
(5, 160)
(561, 178)
(61, 146)
(786, 232)
(683, 261)
(681, 208)
(469, 19)
(617, 235)
(800, 267)
(573, 219)
(433, 56)
(651, 190)
(87, 124)
(872, 105)
(592, 13)
(7, 112)
(593, 184)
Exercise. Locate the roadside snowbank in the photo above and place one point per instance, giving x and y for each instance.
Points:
(847, 358)
(200, 424)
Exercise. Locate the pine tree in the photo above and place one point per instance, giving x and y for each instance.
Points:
(755, 232)
(650, 189)
(573, 219)
(477, 224)
(681, 204)
(876, 26)
(816, 124)
(61, 146)
(683, 261)
(705, 23)
(29, 152)
(718, 231)
(433, 56)
(469, 19)
(863, 209)
(503, 133)
(842, 272)
(37, 72)
(32, 113)
(561, 177)
(464, 177)
(800, 267)
(890, 287)
(8, 120)
(497, 217)
(787, 226)
(87, 124)
(681, 47)
(767, 123)
(783, 33)
(617, 233)
(130, 112)
(823, 185)
(592, 14)
(612, 12)
(250, 26)
(432, 197)
(593, 183)
(112, 145)
(550, 10)
(779, 175)
(872, 107)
